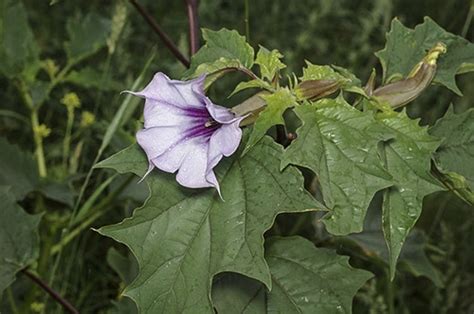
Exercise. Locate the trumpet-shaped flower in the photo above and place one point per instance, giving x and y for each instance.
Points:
(185, 132)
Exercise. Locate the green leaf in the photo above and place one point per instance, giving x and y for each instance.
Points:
(320, 72)
(271, 115)
(269, 62)
(352, 83)
(339, 143)
(456, 153)
(91, 78)
(17, 169)
(407, 157)
(406, 47)
(215, 69)
(86, 36)
(59, 192)
(309, 279)
(258, 83)
(182, 238)
(19, 240)
(18, 49)
(413, 257)
(236, 294)
(226, 44)
(347, 81)
(455, 183)
(305, 279)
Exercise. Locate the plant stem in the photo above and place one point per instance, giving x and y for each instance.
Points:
(97, 212)
(58, 298)
(39, 151)
(67, 136)
(38, 139)
(164, 37)
(192, 7)
(246, 20)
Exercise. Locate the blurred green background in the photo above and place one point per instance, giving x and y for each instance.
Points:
(341, 32)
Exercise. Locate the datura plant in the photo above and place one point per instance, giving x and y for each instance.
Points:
(230, 187)
(209, 221)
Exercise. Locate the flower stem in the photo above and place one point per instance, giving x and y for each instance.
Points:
(246, 20)
(67, 136)
(164, 37)
(58, 298)
(38, 138)
(97, 212)
(192, 6)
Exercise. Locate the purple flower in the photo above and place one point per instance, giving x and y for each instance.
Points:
(185, 132)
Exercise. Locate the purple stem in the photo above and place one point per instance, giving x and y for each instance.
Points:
(192, 7)
(164, 37)
(65, 303)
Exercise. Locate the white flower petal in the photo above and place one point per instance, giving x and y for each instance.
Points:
(155, 141)
(176, 93)
(192, 172)
(161, 114)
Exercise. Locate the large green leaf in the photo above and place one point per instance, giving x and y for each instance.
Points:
(456, 153)
(339, 143)
(182, 237)
(18, 50)
(407, 157)
(19, 240)
(305, 279)
(86, 35)
(271, 115)
(17, 169)
(226, 44)
(406, 47)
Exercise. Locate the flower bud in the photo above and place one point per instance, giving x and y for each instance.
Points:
(71, 101)
(316, 89)
(87, 119)
(402, 92)
(42, 130)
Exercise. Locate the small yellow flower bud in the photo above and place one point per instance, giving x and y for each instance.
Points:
(87, 119)
(71, 101)
(37, 307)
(42, 130)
